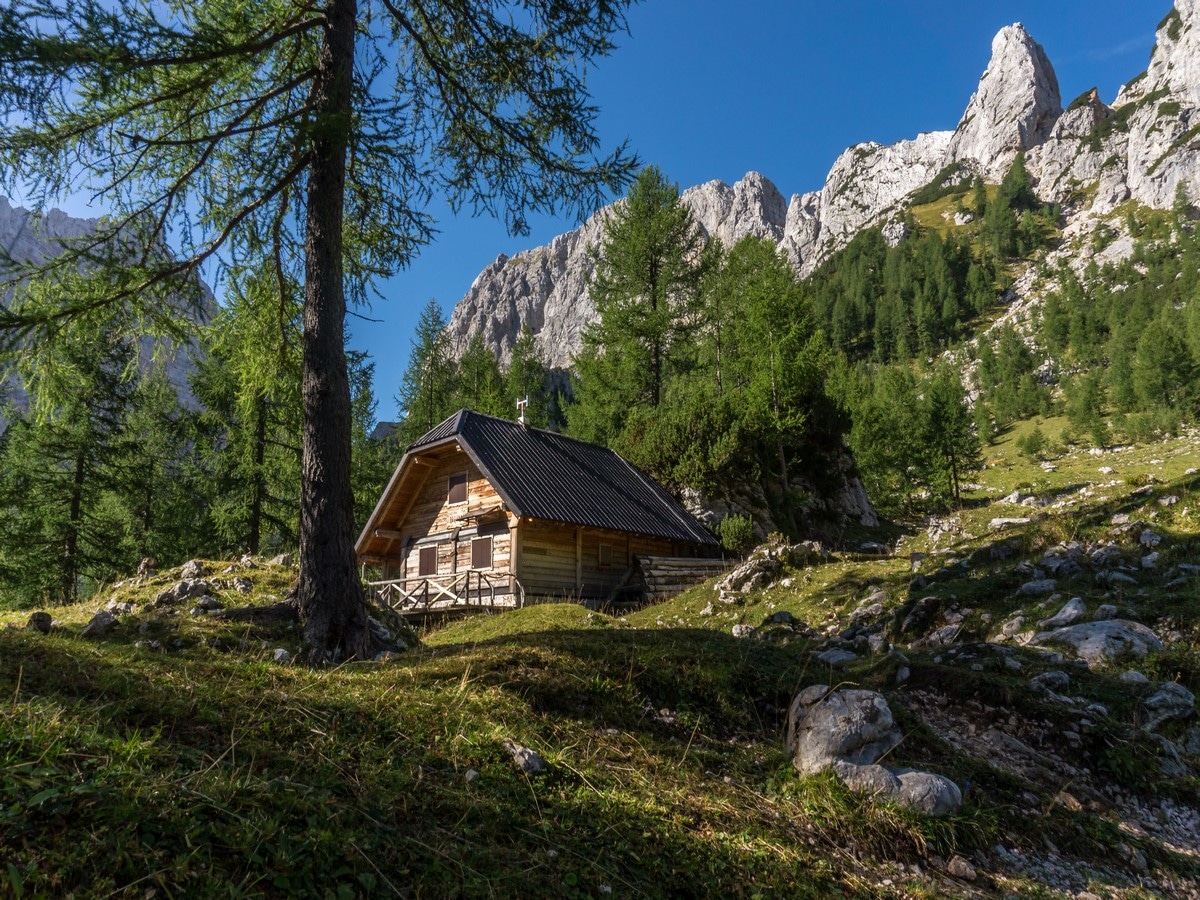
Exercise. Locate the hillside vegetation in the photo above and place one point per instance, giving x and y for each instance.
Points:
(175, 756)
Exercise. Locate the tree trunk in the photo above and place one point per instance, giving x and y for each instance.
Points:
(254, 538)
(329, 594)
(70, 569)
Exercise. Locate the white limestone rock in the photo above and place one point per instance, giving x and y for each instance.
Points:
(866, 181)
(751, 207)
(1164, 125)
(1100, 642)
(547, 288)
(1014, 108)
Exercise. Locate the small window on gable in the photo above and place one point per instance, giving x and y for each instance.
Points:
(481, 553)
(605, 555)
(458, 488)
(427, 564)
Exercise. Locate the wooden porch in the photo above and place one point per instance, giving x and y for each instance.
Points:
(468, 591)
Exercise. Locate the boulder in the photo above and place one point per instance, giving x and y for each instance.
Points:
(40, 621)
(918, 615)
(1171, 701)
(848, 724)
(927, 792)
(1037, 588)
(1101, 642)
(754, 574)
(181, 591)
(847, 731)
(1071, 612)
(102, 623)
(193, 569)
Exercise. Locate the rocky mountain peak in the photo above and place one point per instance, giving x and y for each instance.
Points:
(752, 206)
(1175, 65)
(33, 237)
(1013, 109)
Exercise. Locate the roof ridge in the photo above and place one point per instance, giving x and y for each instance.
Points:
(556, 434)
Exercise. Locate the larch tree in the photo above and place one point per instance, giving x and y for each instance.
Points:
(646, 290)
(311, 132)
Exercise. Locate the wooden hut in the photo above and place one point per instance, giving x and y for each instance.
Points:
(486, 511)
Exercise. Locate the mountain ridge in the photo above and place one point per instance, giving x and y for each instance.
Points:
(1090, 157)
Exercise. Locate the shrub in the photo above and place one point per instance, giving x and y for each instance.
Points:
(736, 533)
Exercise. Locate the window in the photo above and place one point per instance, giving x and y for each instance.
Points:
(605, 555)
(427, 564)
(458, 488)
(481, 553)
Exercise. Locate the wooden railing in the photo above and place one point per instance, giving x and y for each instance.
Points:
(437, 592)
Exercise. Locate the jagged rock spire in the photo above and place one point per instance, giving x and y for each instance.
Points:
(1013, 109)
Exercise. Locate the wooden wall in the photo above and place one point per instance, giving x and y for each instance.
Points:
(549, 565)
(433, 519)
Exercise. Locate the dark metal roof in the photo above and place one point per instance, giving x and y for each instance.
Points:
(543, 475)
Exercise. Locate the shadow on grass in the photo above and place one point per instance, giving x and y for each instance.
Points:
(207, 774)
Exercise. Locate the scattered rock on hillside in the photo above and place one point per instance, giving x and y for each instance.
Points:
(1100, 642)
(193, 569)
(848, 724)
(1039, 587)
(836, 657)
(283, 559)
(1171, 701)
(181, 591)
(40, 621)
(1072, 611)
(751, 575)
(102, 623)
(1054, 680)
(528, 761)
(917, 616)
(848, 731)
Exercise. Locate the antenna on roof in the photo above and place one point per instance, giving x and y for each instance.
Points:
(521, 407)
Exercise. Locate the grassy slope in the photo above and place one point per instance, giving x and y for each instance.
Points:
(207, 769)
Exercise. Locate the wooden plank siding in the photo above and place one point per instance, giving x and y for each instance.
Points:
(430, 517)
(549, 565)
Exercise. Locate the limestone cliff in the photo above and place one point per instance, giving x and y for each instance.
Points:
(35, 237)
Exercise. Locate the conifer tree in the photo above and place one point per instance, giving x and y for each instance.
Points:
(427, 391)
(526, 379)
(646, 290)
(479, 385)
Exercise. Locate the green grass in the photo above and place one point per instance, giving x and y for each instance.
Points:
(203, 768)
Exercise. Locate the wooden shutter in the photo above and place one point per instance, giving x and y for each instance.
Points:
(481, 553)
(605, 555)
(428, 561)
(458, 488)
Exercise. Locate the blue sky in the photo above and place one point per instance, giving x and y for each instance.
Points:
(780, 88)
